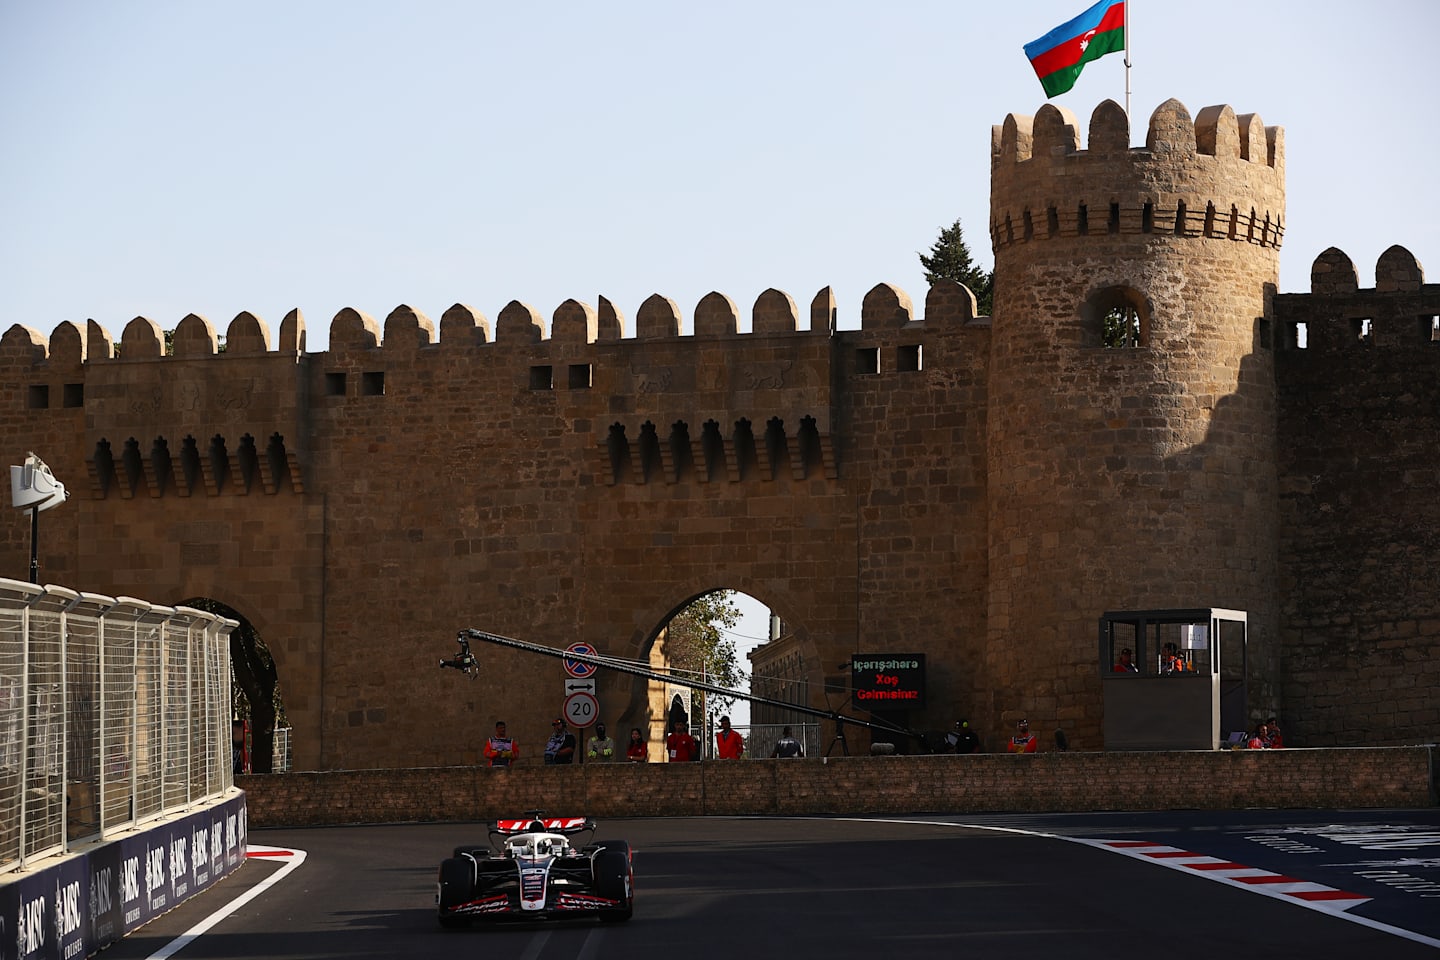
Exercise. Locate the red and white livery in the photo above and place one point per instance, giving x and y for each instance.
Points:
(531, 870)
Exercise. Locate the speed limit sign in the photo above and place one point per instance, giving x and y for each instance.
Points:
(582, 709)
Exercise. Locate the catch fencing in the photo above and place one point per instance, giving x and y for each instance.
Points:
(113, 712)
(760, 739)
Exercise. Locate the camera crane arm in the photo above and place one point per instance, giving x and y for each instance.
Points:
(623, 666)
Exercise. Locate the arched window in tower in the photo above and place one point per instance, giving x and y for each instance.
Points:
(1117, 317)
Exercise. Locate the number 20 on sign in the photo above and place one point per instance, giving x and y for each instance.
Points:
(581, 709)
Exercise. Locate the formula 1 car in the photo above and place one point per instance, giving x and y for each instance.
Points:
(531, 871)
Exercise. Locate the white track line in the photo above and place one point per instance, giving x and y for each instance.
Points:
(293, 859)
(1195, 865)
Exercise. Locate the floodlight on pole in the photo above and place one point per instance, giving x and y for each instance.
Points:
(33, 487)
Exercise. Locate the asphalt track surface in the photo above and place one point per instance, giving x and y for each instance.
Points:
(1270, 884)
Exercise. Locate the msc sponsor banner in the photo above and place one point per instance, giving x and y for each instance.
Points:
(45, 916)
(237, 836)
(888, 681)
(83, 903)
(104, 867)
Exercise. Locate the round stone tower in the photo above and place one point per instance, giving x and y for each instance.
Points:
(1131, 438)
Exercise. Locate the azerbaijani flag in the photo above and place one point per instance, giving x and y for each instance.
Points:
(1059, 55)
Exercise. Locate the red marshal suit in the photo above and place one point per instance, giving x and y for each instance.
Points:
(682, 748)
(729, 745)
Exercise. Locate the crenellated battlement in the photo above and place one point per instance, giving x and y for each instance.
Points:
(1401, 311)
(1220, 176)
(519, 324)
(202, 419)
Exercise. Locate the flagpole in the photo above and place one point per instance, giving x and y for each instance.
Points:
(1127, 59)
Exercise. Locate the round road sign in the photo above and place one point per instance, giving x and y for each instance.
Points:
(582, 709)
(577, 669)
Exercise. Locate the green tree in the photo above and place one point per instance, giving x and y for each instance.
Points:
(170, 345)
(695, 642)
(950, 259)
(1121, 327)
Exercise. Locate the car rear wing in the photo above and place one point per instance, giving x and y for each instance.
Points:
(565, 825)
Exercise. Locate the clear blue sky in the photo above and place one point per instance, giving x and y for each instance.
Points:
(164, 158)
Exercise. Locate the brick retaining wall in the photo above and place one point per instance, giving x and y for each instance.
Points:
(1341, 778)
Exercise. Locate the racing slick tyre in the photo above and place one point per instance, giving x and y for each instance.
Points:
(619, 845)
(614, 879)
(457, 886)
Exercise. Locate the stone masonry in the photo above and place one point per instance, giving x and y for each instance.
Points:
(976, 489)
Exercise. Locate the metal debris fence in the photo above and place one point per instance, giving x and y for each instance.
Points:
(113, 712)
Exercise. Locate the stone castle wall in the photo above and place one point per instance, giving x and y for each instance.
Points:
(1359, 519)
(979, 490)
(559, 484)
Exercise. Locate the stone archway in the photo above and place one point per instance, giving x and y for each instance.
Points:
(255, 696)
(652, 705)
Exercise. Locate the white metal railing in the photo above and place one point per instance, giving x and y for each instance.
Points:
(112, 712)
(760, 738)
(281, 753)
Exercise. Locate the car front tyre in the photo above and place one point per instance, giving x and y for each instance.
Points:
(456, 886)
(615, 879)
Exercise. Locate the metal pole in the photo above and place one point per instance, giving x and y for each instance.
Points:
(24, 758)
(101, 721)
(65, 725)
(35, 544)
(1127, 59)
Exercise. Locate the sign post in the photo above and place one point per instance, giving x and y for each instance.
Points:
(582, 709)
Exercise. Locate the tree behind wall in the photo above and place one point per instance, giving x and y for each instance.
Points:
(695, 643)
(950, 259)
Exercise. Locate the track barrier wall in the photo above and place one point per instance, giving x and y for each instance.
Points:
(76, 904)
(1330, 778)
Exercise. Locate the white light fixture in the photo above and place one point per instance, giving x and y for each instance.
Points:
(33, 487)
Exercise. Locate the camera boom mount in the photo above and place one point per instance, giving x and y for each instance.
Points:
(464, 660)
(625, 666)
